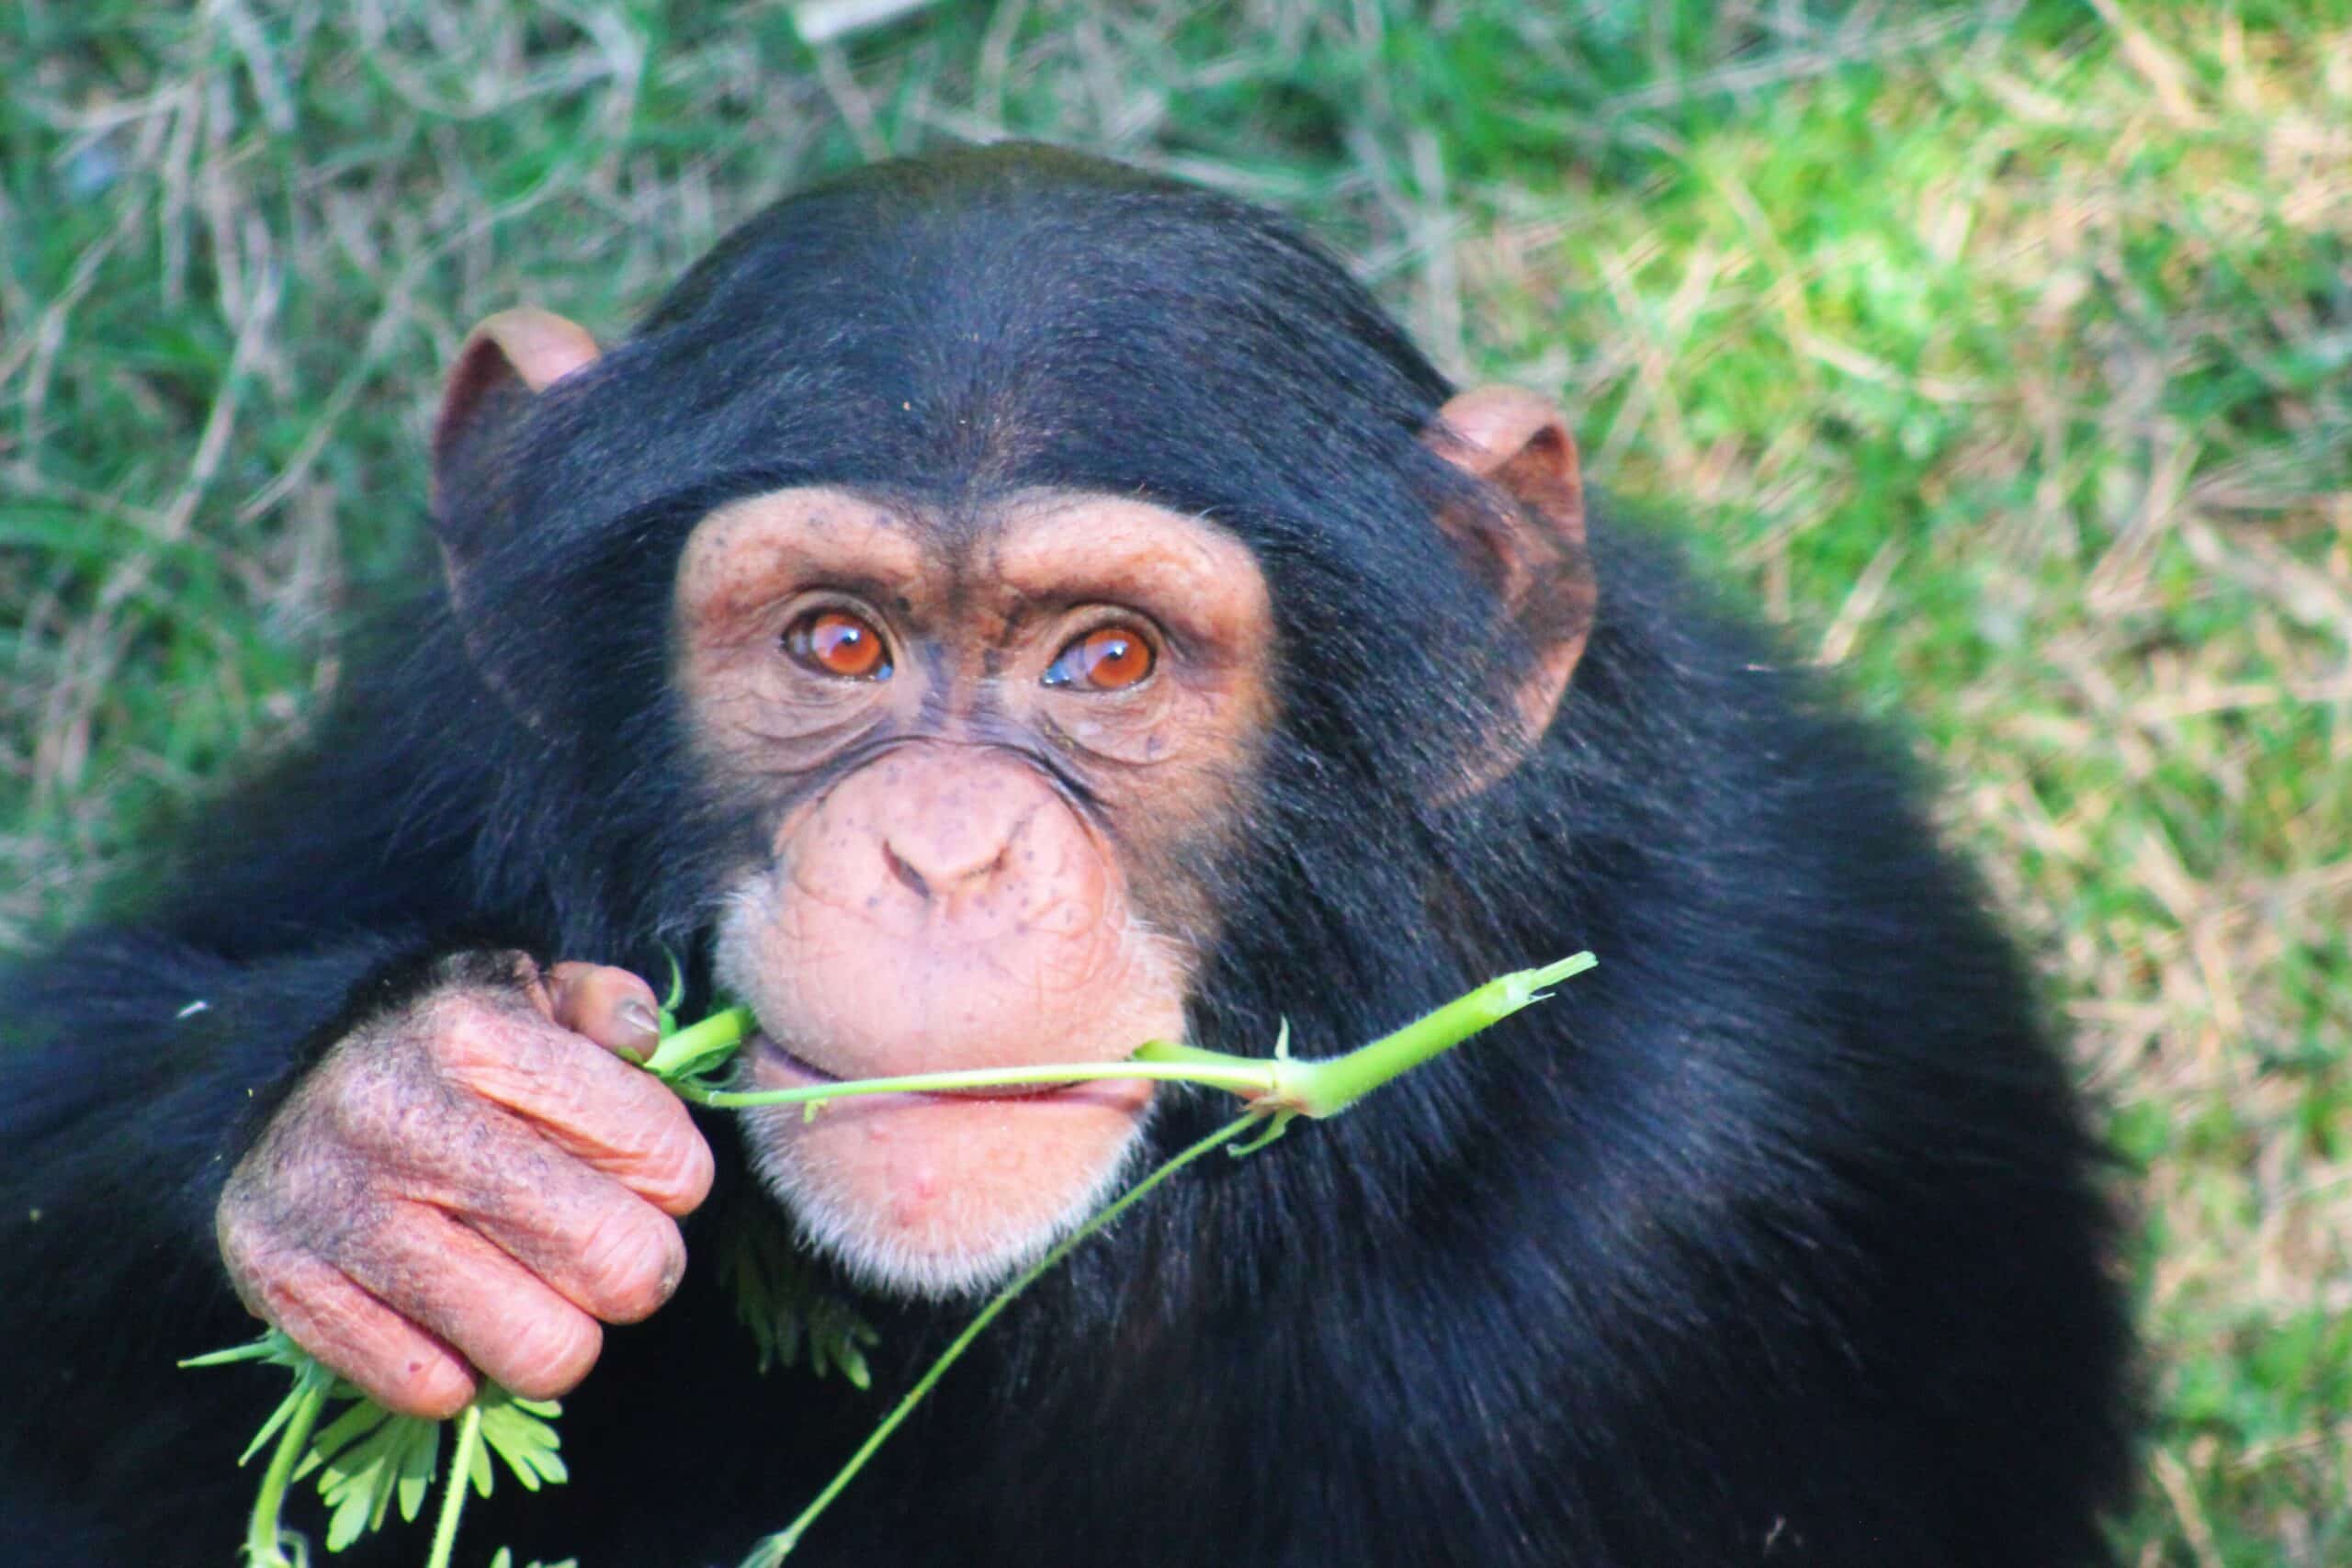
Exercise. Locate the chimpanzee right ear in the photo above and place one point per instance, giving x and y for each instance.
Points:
(1529, 546)
(507, 360)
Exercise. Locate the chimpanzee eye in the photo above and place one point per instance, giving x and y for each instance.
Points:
(1108, 659)
(834, 642)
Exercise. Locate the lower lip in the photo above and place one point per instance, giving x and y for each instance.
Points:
(777, 1067)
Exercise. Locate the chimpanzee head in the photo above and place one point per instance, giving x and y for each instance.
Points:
(988, 600)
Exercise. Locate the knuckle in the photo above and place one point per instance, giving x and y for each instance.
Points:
(679, 1168)
(461, 1029)
(243, 1237)
(313, 1321)
(476, 1037)
(630, 1264)
(499, 970)
(262, 1267)
(376, 1110)
(548, 1352)
(300, 1190)
(463, 1004)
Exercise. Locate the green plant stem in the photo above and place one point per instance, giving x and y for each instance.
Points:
(684, 1050)
(263, 1531)
(1276, 1089)
(1246, 1075)
(773, 1550)
(1327, 1087)
(1317, 1088)
(454, 1490)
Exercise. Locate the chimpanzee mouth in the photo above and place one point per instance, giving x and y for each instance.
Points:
(788, 1069)
(767, 1045)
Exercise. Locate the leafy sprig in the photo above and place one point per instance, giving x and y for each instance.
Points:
(791, 1318)
(368, 1458)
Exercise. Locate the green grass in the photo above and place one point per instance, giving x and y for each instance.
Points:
(2003, 351)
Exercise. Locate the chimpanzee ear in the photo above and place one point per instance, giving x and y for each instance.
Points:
(506, 361)
(1530, 546)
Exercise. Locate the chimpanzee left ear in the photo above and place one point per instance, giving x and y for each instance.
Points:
(1529, 547)
(507, 360)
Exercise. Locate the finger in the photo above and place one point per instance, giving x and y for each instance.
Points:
(589, 1102)
(612, 1007)
(621, 1267)
(393, 1361)
(507, 1322)
(604, 1248)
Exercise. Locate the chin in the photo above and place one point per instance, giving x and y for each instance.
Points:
(937, 1196)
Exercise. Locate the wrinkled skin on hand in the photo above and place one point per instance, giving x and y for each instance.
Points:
(467, 1187)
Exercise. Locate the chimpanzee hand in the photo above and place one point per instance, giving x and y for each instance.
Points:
(470, 1183)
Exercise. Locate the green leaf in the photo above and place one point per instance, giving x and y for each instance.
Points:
(478, 1471)
(512, 1429)
(273, 1348)
(306, 1379)
(368, 1458)
(668, 1010)
(787, 1313)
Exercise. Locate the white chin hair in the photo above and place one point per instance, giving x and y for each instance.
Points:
(988, 1248)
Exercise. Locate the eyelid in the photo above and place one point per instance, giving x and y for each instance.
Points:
(1094, 618)
(1141, 628)
(798, 637)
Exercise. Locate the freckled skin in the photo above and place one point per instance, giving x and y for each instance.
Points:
(949, 904)
(470, 1186)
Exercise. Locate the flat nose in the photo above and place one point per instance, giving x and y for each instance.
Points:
(950, 826)
(940, 866)
(952, 845)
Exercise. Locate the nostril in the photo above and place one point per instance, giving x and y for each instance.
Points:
(906, 874)
(941, 875)
(983, 875)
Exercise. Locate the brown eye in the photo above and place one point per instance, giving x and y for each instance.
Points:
(834, 642)
(1108, 659)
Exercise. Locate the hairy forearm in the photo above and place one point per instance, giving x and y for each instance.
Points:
(133, 1070)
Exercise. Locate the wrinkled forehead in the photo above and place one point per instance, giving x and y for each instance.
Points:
(1047, 545)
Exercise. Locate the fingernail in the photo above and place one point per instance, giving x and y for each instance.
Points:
(640, 1021)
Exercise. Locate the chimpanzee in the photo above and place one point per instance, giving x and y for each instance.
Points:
(1004, 607)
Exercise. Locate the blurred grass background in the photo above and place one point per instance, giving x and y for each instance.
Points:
(2004, 351)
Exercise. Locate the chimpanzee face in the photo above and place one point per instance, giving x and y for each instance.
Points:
(988, 755)
(996, 756)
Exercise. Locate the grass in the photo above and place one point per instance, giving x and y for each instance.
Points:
(2003, 351)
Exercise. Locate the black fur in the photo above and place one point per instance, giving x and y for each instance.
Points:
(1774, 1240)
